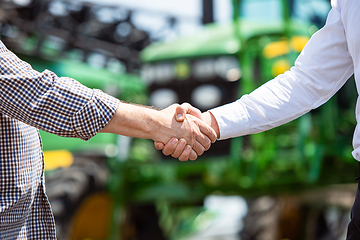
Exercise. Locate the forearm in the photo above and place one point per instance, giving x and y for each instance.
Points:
(321, 69)
(142, 122)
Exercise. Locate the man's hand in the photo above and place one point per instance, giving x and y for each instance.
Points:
(143, 122)
(178, 148)
(202, 141)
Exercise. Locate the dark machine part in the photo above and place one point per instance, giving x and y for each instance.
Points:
(72, 26)
(208, 11)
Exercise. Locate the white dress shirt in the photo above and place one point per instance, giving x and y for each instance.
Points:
(330, 57)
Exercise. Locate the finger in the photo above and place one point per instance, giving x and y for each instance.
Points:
(186, 153)
(199, 129)
(179, 148)
(198, 148)
(193, 156)
(204, 128)
(202, 139)
(170, 146)
(208, 132)
(159, 145)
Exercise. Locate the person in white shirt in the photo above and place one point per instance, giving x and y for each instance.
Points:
(327, 61)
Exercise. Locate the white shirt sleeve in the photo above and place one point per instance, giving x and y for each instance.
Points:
(321, 69)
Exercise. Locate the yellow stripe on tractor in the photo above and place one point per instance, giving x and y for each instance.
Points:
(279, 48)
(57, 159)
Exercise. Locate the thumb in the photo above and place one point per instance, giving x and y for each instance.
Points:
(186, 108)
(159, 145)
(180, 113)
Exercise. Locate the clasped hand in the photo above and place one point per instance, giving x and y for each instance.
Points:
(203, 131)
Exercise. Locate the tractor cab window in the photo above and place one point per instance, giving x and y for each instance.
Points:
(311, 10)
(314, 11)
(261, 10)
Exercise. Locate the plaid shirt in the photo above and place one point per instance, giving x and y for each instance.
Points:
(30, 100)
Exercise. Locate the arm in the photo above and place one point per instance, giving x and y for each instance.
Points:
(322, 68)
(67, 108)
(58, 105)
(320, 71)
(142, 122)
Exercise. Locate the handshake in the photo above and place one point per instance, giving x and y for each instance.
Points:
(201, 129)
(181, 131)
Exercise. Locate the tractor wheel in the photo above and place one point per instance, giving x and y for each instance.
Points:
(261, 221)
(78, 199)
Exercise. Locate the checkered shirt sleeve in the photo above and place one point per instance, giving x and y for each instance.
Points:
(58, 105)
(30, 100)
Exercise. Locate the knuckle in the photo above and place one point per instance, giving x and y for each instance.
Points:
(186, 104)
(199, 152)
(207, 147)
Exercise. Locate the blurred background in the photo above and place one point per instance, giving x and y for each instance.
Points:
(293, 182)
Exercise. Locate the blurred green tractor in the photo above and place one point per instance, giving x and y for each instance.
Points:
(115, 187)
(218, 65)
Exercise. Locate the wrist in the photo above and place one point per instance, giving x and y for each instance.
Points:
(159, 127)
(136, 121)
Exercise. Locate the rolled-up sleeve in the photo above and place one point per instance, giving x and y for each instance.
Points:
(58, 105)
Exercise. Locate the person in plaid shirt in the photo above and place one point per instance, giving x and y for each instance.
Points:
(30, 100)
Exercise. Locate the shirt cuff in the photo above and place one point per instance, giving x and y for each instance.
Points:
(232, 120)
(94, 115)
